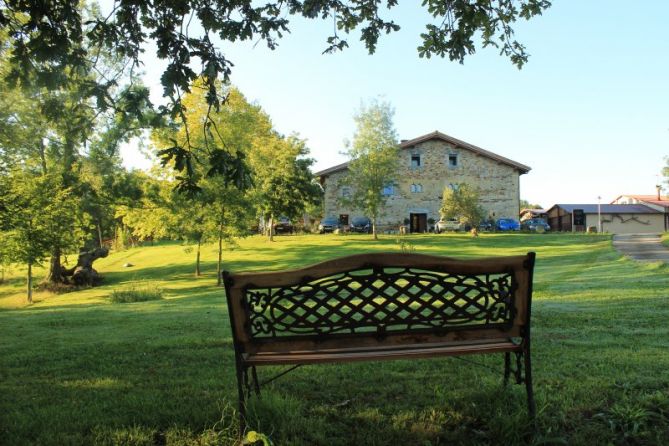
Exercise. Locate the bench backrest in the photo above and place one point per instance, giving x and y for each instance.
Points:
(386, 298)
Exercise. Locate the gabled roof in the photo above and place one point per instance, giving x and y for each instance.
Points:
(443, 137)
(608, 208)
(465, 145)
(332, 169)
(651, 199)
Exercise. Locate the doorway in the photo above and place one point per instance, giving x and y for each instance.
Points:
(418, 222)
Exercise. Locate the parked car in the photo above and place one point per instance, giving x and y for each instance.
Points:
(535, 224)
(508, 224)
(449, 224)
(361, 224)
(486, 225)
(283, 226)
(328, 224)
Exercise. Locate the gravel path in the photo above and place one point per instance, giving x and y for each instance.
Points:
(646, 247)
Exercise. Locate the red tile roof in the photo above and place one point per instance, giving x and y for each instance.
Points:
(651, 199)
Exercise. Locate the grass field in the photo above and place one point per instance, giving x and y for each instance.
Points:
(78, 369)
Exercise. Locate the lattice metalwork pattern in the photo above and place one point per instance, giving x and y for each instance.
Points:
(381, 300)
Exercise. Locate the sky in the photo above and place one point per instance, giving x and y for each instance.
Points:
(589, 112)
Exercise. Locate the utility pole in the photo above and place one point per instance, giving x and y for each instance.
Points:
(599, 214)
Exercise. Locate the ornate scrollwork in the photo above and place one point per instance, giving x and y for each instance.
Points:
(381, 300)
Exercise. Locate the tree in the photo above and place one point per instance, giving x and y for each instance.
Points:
(524, 204)
(55, 126)
(665, 170)
(462, 202)
(35, 211)
(218, 209)
(44, 40)
(283, 182)
(374, 154)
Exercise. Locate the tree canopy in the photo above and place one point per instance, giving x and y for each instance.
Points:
(462, 202)
(47, 40)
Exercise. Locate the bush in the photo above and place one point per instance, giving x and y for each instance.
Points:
(136, 292)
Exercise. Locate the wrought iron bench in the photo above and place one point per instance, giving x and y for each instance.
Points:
(379, 307)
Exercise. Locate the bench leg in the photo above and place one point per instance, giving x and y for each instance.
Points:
(522, 372)
(531, 406)
(256, 385)
(242, 400)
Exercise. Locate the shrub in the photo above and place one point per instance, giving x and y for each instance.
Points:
(136, 292)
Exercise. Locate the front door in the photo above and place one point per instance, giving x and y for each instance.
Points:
(418, 222)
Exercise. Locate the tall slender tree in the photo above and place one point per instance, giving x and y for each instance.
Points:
(374, 153)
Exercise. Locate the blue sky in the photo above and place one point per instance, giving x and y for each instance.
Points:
(589, 112)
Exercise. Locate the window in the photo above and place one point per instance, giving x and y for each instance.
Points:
(388, 189)
(416, 188)
(415, 161)
(345, 191)
(452, 160)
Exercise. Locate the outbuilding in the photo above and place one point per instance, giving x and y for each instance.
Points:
(615, 218)
(657, 202)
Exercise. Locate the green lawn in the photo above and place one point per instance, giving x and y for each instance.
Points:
(77, 369)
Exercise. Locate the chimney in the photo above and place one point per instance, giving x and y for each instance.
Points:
(659, 189)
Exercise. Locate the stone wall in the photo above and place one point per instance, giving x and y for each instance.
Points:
(419, 189)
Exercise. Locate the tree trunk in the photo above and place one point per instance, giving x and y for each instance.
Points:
(42, 156)
(100, 235)
(197, 259)
(55, 269)
(271, 228)
(30, 283)
(376, 237)
(83, 272)
(220, 255)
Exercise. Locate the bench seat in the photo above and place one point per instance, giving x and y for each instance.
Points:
(381, 353)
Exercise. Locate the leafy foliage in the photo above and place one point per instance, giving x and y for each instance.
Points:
(462, 202)
(284, 184)
(374, 154)
(47, 41)
(524, 204)
(38, 215)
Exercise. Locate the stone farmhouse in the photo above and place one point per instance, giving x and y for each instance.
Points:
(428, 164)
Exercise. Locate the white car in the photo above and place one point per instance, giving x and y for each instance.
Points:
(450, 224)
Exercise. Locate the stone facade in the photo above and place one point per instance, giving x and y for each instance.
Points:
(426, 166)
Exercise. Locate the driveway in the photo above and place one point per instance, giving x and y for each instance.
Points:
(645, 247)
